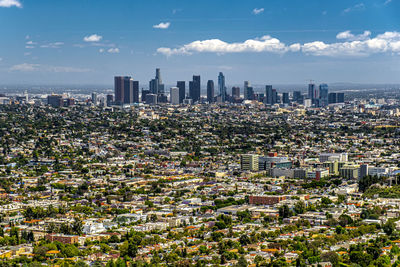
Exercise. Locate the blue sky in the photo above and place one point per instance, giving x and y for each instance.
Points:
(274, 41)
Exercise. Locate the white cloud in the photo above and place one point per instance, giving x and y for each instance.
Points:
(263, 44)
(101, 50)
(52, 45)
(27, 53)
(28, 67)
(257, 11)
(352, 45)
(25, 67)
(388, 42)
(387, 2)
(29, 47)
(10, 3)
(113, 50)
(295, 47)
(356, 7)
(93, 38)
(347, 35)
(65, 69)
(162, 25)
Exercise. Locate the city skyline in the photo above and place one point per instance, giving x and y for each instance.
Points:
(272, 42)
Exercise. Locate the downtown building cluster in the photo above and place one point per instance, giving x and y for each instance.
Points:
(127, 92)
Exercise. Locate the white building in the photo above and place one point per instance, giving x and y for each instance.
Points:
(341, 157)
(174, 95)
(91, 227)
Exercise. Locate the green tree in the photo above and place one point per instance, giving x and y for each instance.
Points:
(300, 207)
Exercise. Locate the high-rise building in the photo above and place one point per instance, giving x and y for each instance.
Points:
(285, 98)
(55, 100)
(151, 99)
(323, 95)
(135, 91)
(339, 97)
(332, 98)
(194, 88)
(274, 96)
(69, 102)
(162, 98)
(248, 92)
(221, 87)
(363, 170)
(298, 97)
(110, 100)
(174, 96)
(313, 93)
(182, 90)
(310, 90)
(235, 92)
(155, 85)
(249, 162)
(124, 90)
(128, 91)
(119, 89)
(158, 76)
(144, 93)
(160, 85)
(269, 95)
(210, 91)
(94, 98)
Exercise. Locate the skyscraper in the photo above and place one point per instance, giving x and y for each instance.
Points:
(235, 92)
(285, 98)
(298, 97)
(174, 96)
(332, 98)
(312, 93)
(248, 91)
(135, 91)
(269, 95)
(110, 100)
(323, 95)
(339, 97)
(156, 86)
(194, 88)
(221, 87)
(161, 89)
(310, 90)
(153, 86)
(182, 90)
(123, 86)
(55, 100)
(210, 91)
(128, 90)
(151, 99)
(158, 76)
(144, 93)
(94, 98)
(274, 97)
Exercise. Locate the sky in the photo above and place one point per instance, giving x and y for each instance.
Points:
(263, 41)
